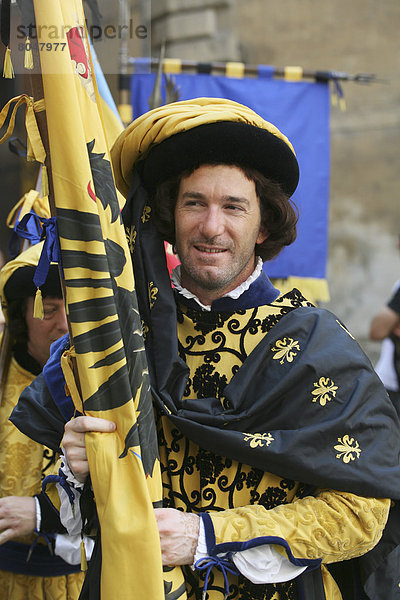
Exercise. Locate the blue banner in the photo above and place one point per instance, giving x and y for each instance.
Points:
(301, 111)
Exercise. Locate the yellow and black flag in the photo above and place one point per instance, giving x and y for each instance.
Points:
(111, 377)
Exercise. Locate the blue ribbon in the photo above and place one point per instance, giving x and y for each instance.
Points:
(31, 227)
(51, 249)
(48, 538)
(62, 481)
(224, 564)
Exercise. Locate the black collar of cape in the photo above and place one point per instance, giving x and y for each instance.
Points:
(312, 442)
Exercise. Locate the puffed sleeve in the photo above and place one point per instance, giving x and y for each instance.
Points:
(331, 526)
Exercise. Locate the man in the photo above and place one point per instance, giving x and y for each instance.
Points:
(28, 567)
(266, 408)
(386, 326)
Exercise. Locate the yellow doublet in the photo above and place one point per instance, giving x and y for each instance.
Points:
(22, 464)
(243, 501)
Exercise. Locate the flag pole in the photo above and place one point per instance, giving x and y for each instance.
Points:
(124, 102)
(175, 66)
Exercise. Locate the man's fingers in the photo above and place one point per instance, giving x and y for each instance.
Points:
(85, 424)
(80, 469)
(5, 536)
(74, 442)
(17, 517)
(76, 453)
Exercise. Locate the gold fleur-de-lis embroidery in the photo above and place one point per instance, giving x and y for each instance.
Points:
(153, 291)
(348, 449)
(258, 439)
(146, 214)
(131, 237)
(325, 390)
(285, 349)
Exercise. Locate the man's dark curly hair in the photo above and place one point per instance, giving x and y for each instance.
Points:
(279, 215)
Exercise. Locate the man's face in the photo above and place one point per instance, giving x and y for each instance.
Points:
(217, 225)
(42, 333)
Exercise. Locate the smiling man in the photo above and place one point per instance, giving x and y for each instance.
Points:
(216, 231)
(271, 422)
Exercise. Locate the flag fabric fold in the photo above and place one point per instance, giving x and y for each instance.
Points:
(111, 378)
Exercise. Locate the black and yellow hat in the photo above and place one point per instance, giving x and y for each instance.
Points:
(16, 278)
(183, 135)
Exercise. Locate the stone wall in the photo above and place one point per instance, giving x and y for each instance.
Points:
(199, 30)
(357, 37)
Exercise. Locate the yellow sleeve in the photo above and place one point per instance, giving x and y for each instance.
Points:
(331, 526)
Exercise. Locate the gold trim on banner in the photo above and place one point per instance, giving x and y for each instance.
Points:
(235, 69)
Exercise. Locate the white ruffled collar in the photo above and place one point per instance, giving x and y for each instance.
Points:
(243, 287)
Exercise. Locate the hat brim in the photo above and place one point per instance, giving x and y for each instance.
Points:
(225, 142)
(20, 284)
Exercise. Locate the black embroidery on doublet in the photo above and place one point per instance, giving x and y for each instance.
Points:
(49, 459)
(296, 299)
(208, 383)
(209, 466)
(215, 345)
(253, 591)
